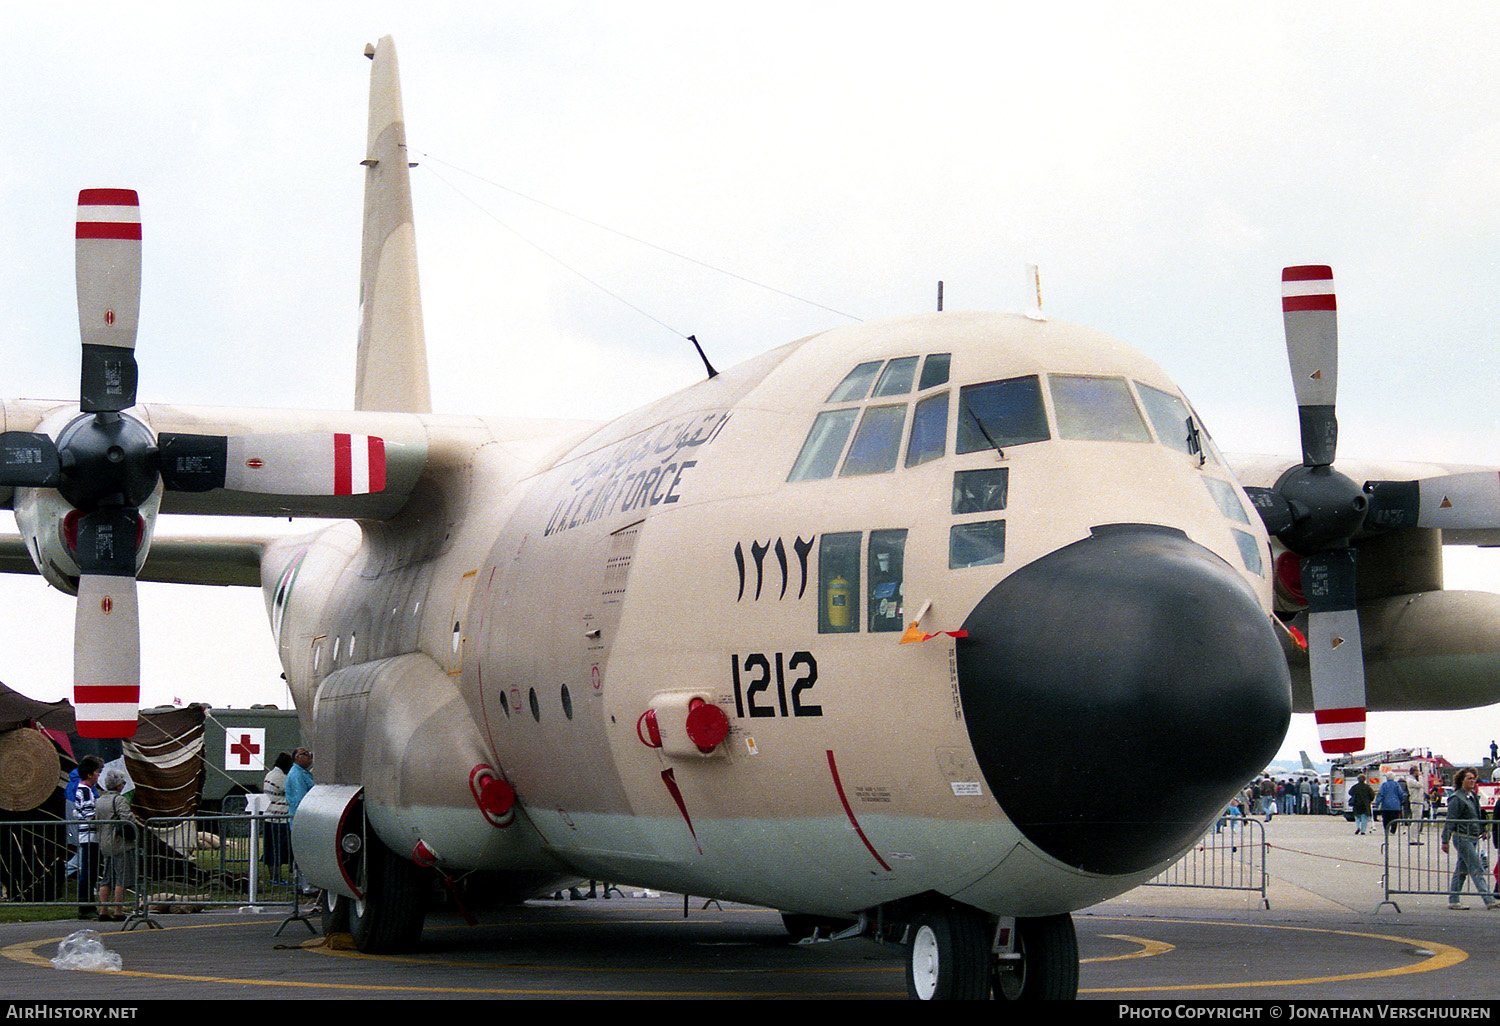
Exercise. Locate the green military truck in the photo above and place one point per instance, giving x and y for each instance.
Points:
(239, 748)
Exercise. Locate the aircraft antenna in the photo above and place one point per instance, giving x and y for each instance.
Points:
(940, 297)
(707, 366)
(1034, 286)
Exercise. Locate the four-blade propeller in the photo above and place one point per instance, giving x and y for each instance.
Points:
(1318, 513)
(107, 465)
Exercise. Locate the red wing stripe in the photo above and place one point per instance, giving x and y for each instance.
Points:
(377, 464)
(343, 478)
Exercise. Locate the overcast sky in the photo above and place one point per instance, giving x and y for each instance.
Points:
(1161, 163)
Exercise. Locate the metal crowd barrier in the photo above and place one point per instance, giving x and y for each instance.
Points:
(1415, 862)
(1230, 857)
(182, 864)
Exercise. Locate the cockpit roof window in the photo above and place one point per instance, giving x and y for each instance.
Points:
(1001, 413)
(856, 384)
(897, 377)
(1097, 409)
(935, 371)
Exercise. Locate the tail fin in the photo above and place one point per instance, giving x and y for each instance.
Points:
(392, 368)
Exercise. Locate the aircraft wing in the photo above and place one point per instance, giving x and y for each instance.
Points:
(225, 561)
(270, 465)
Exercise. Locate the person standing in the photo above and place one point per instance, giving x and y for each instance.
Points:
(278, 851)
(1361, 798)
(118, 831)
(1388, 802)
(1465, 826)
(299, 781)
(88, 834)
(1495, 840)
(1418, 792)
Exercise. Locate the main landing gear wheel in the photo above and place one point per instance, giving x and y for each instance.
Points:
(388, 918)
(949, 958)
(333, 913)
(1047, 969)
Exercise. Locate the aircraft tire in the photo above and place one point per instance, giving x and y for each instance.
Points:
(389, 918)
(1048, 968)
(333, 913)
(949, 955)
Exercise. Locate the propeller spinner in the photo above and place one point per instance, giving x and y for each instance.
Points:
(106, 465)
(1318, 513)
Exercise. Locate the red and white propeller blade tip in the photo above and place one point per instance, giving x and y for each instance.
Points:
(1337, 664)
(106, 657)
(1309, 313)
(108, 237)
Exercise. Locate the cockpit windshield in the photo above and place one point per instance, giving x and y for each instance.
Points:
(872, 418)
(997, 414)
(1096, 409)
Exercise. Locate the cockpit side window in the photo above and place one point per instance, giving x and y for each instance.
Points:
(1001, 413)
(1178, 424)
(856, 384)
(1169, 415)
(824, 445)
(877, 443)
(1097, 409)
(1210, 451)
(929, 430)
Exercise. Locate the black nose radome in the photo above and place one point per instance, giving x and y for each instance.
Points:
(1118, 692)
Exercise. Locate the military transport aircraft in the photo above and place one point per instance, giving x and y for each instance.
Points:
(900, 627)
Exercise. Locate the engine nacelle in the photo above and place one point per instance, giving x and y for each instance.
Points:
(48, 521)
(328, 837)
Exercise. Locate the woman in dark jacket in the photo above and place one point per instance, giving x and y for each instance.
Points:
(1465, 826)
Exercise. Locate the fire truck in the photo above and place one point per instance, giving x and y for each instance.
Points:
(1432, 770)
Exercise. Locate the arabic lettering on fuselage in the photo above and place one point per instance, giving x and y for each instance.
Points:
(635, 474)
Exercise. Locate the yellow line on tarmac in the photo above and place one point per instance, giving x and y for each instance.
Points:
(25, 953)
(1149, 948)
(1443, 956)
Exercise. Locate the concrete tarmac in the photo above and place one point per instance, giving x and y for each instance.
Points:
(1325, 936)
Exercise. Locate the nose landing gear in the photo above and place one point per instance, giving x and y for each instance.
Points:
(959, 953)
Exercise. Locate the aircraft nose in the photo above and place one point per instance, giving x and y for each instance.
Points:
(1118, 692)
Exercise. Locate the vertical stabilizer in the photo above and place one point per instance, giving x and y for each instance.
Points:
(392, 369)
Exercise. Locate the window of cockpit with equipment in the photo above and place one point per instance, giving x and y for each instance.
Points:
(867, 418)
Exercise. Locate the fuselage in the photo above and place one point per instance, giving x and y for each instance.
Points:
(968, 594)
